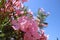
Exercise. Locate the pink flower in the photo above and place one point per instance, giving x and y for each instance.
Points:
(17, 4)
(27, 25)
(19, 12)
(15, 24)
(27, 36)
(43, 37)
(7, 6)
(2, 9)
(33, 30)
(20, 23)
(24, 22)
(24, 1)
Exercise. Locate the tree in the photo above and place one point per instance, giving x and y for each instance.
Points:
(18, 23)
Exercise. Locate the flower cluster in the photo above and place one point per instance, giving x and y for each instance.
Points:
(22, 19)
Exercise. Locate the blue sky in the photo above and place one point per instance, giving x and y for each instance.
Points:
(53, 6)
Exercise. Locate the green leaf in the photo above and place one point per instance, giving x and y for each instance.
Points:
(2, 35)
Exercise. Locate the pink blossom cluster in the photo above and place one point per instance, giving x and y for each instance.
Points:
(14, 5)
(25, 23)
(30, 27)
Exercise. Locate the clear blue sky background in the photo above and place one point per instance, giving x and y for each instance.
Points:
(53, 6)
